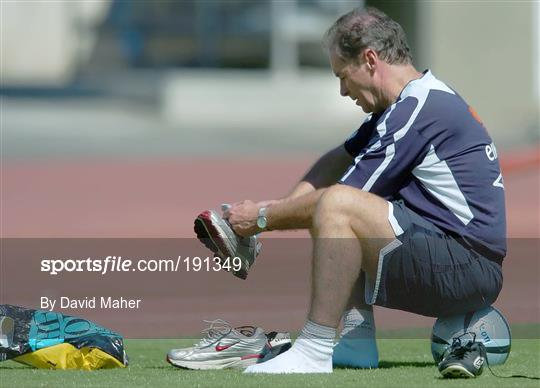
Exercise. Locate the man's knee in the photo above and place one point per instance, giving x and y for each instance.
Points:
(336, 206)
(364, 212)
(332, 207)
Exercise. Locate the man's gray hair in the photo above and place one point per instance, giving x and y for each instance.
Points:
(369, 27)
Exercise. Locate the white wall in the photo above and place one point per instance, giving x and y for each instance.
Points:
(485, 50)
(42, 41)
(307, 105)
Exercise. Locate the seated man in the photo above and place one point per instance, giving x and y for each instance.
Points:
(408, 214)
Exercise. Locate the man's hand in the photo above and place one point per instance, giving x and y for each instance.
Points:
(243, 217)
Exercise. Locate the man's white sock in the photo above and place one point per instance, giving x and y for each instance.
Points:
(316, 340)
(311, 353)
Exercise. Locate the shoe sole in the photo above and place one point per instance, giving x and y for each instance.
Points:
(205, 229)
(210, 235)
(456, 371)
(225, 363)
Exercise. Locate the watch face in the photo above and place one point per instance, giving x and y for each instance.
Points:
(261, 222)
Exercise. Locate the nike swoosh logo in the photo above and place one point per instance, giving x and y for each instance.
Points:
(220, 348)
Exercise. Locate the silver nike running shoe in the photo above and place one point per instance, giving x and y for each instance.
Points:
(217, 235)
(223, 347)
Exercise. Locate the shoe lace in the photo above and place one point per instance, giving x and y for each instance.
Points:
(217, 329)
(457, 350)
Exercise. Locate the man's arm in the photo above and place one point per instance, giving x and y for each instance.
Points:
(296, 209)
(325, 172)
(293, 212)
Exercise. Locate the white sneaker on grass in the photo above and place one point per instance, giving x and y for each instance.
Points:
(225, 347)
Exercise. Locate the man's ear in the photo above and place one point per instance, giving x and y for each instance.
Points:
(370, 57)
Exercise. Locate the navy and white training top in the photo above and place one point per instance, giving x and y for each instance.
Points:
(431, 150)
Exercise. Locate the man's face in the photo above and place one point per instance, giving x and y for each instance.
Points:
(355, 81)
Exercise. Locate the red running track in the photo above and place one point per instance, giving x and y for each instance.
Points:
(160, 199)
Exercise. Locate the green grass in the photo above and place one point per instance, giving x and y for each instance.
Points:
(404, 363)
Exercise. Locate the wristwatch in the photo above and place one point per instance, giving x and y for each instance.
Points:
(262, 221)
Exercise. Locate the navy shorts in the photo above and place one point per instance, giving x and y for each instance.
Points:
(425, 271)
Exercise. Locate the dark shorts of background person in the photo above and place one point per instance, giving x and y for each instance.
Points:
(426, 271)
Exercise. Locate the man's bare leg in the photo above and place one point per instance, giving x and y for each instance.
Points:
(349, 228)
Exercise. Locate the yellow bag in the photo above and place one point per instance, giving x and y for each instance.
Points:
(67, 356)
(50, 340)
